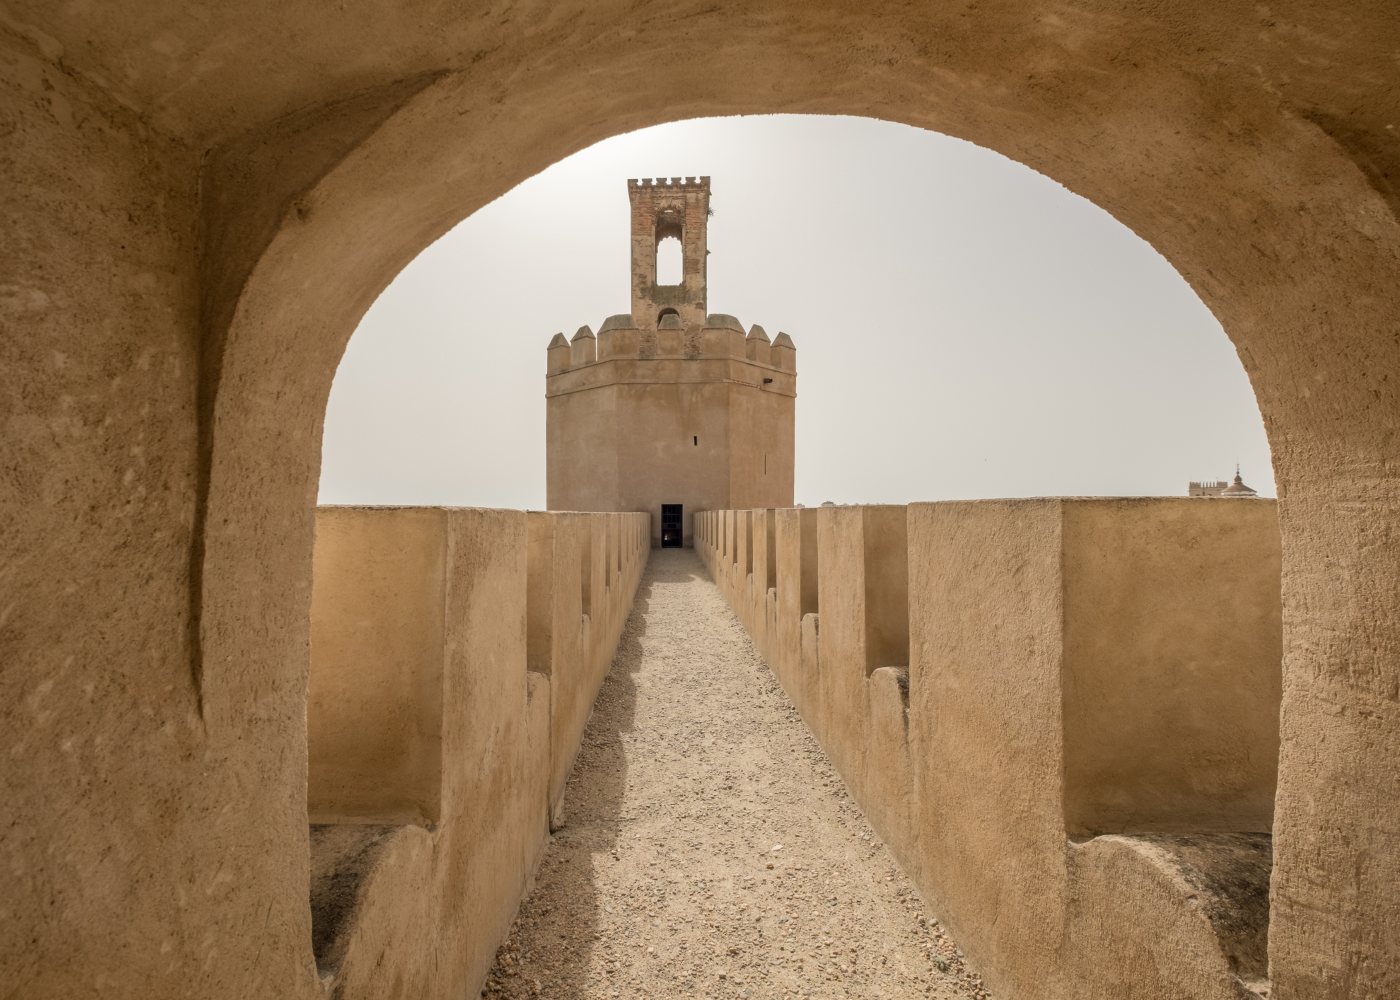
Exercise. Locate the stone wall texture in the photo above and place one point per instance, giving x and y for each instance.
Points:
(1061, 716)
(707, 430)
(456, 648)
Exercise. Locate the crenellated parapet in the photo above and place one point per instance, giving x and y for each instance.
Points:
(721, 336)
(669, 182)
(718, 350)
(583, 349)
(757, 347)
(455, 655)
(784, 353)
(559, 354)
(1048, 667)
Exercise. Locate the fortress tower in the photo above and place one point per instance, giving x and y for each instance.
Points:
(670, 410)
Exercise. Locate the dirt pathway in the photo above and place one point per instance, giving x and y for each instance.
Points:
(709, 848)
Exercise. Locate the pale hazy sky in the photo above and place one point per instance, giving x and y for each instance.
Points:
(965, 327)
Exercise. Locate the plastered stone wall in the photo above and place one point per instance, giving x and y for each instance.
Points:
(470, 618)
(121, 807)
(1073, 670)
(571, 647)
(201, 200)
(374, 704)
(1171, 724)
(669, 416)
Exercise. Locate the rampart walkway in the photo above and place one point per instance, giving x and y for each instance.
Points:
(709, 849)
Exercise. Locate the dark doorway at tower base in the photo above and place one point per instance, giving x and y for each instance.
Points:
(672, 531)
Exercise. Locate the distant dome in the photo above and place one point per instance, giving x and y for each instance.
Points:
(1238, 488)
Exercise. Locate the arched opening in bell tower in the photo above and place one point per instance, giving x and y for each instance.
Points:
(670, 249)
(670, 261)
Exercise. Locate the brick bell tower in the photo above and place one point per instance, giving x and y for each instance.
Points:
(670, 409)
(677, 208)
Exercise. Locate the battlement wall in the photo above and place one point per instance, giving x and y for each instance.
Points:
(1044, 716)
(699, 183)
(455, 656)
(620, 339)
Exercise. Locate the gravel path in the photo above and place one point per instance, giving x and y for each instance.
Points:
(709, 849)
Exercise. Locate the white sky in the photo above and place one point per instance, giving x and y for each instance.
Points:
(965, 327)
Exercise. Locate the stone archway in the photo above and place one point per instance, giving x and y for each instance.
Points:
(1270, 268)
(1254, 156)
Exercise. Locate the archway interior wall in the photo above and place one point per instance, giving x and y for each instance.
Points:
(133, 861)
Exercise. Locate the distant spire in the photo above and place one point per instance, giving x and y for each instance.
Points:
(1237, 488)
